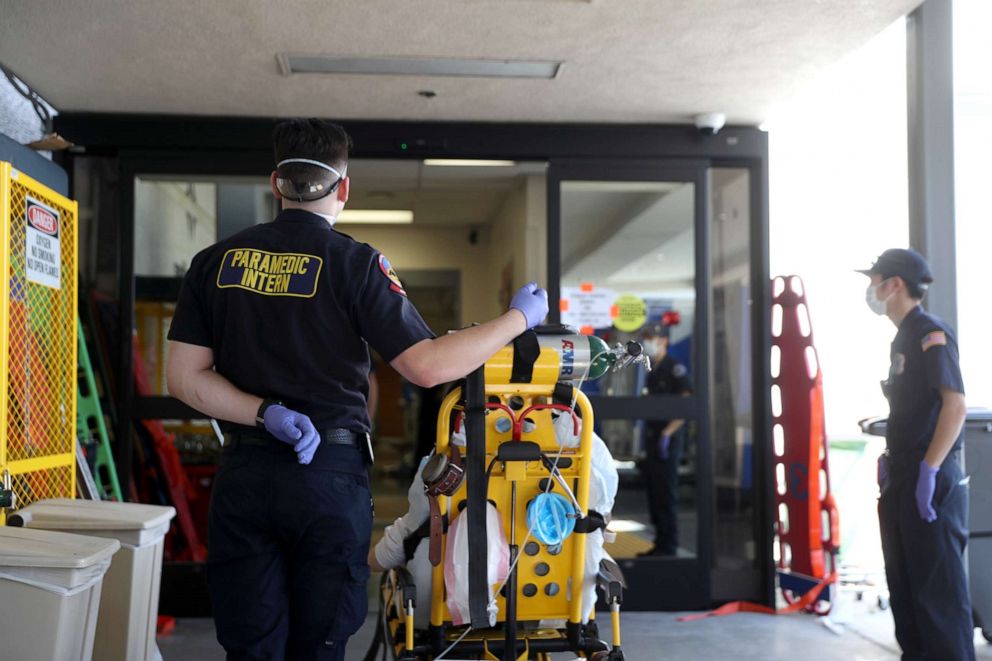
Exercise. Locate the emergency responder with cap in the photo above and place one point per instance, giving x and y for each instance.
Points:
(923, 502)
(664, 442)
(271, 335)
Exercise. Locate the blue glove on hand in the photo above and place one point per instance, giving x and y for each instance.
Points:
(883, 469)
(293, 428)
(925, 485)
(663, 444)
(532, 301)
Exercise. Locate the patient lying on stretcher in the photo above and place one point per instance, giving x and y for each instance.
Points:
(405, 540)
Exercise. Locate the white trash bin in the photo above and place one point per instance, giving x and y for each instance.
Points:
(129, 606)
(50, 593)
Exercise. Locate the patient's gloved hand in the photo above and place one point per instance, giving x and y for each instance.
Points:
(389, 551)
(419, 507)
(883, 469)
(293, 428)
(532, 302)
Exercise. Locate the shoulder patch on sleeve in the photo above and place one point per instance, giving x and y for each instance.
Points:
(679, 370)
(934, 339)
(390, 273)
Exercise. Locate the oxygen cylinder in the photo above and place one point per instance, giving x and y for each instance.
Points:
(581, 356)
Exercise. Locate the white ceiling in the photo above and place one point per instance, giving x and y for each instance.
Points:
(624, 60)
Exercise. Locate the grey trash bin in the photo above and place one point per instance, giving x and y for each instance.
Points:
(978, 465)
(50, 586)
(129, 605)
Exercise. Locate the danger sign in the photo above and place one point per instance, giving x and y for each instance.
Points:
(42, 252)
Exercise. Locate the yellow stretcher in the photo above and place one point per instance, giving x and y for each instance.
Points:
(540, 605)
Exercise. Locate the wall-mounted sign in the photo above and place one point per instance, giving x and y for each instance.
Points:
(42, 254)
(587, 307)
(630, 313)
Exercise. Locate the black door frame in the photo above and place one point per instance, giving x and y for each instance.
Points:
(148, 144)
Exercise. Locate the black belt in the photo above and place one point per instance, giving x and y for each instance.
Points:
(331, 436)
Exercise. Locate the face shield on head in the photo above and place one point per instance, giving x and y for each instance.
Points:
(306, 180)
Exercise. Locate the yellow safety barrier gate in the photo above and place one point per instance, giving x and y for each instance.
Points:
(38, 230)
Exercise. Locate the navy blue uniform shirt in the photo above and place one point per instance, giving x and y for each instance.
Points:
(924, 359)
(667, 377)
(289, 309)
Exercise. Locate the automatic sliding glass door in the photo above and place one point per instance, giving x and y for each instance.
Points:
(629, 245)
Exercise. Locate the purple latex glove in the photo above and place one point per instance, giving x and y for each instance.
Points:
(293, 428)
(883, 469)
(663, 443)
(925, 485)
(532, 301)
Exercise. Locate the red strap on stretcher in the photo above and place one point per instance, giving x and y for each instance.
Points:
(804, 602)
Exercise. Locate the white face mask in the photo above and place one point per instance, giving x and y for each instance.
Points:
(879, 307)
(650, 347)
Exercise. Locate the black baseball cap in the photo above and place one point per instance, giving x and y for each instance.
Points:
(905, 263)
(656, 329)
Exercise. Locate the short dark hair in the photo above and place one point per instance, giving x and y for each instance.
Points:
(312, 138)
(916, 290)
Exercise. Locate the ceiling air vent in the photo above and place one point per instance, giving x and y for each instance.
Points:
(291, 63)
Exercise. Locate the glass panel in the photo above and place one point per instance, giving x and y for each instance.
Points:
(731, 392)
(655, 509)
(628, 273)
(176, 217)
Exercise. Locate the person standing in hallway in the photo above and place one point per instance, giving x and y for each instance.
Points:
(923, 501)
(271, 335)
(664, 442)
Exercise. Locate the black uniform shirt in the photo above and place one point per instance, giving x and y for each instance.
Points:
(667, 377)
(924, 359)
(287, 308)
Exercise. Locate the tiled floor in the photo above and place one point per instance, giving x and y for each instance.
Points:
(858, 632)
(855, 631)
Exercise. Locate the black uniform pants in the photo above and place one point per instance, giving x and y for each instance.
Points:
(924, 565)
(662, 479)
(287, 568)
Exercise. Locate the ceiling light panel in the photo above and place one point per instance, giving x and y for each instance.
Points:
(290, 63)
(376, 216)
(467, 163)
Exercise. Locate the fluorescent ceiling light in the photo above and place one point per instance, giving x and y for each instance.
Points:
(376, 216)
(467, 163)
(290, 63)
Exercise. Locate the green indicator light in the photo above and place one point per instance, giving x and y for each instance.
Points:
(403, 146)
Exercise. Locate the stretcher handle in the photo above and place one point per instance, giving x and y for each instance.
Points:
(557, 407)
(830, 505)
(497, 406)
